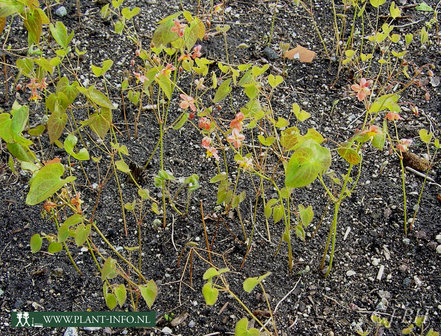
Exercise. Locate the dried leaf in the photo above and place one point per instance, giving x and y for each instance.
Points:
(303, 54)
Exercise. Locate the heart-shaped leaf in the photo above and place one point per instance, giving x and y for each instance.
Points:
(121, 294)
(210, 293)
(308, 160)
(274, 81)
(250, 283)
(46, 182)
(36, 243)
(149, 292)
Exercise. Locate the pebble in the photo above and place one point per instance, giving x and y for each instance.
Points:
(438, 249)
(92, 328)
(438, 238)
(191, 324)
(418, 282)
(406, 282)
(71, 331)
(376, 261)
(270, 54)
(350, 273)
(166, 331)
(406, 241)
(1, 292)
(61, 11)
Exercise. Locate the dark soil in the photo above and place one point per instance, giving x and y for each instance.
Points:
(370, 228)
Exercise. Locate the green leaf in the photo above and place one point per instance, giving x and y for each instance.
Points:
(222, 91)
(143, 193)
(425, 136)
(110, 301)
(384, 102)
(424, 7)
(122, 166)
(191, 34)
(26, 66)
(36, 131)
(268, 210)
(218, 178)
(301, 115)
(290, 137)
(10, 7)
(313, 135)
(250, 283)
(36, 243)
(379, 139)
(46, 182)
(210, 273)
(59, 33)
(256, 71)
(33, 23)
(266, 141)
(241, 329)
(54, 247)
(377, 3)
(165, 84)
(274, 81)
(69, 144)
(163, 34)
(100, 122)
(19, 119)
(182, 120)
(108, 271)
(300, 232)
(128, 14)
(121, 294)
(5, 127)
(97, 97)
(308, 160)
(210, 293)
(118, 27)
(63, 233)
(282, 123)
(349, 154)
(56, 123)
(20, 152)
(81, 233)
(306, 215)
(394, 10)
(278, 213)
(149, 292)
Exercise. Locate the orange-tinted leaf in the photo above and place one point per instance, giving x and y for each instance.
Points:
(303, 54)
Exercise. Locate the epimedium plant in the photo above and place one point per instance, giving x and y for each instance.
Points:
(250, 144)
(47, 184)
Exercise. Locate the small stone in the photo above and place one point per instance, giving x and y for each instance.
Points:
(407, 282)
(61, 11)
(92, 328)
(166, 331)
(1, 292)
(434, 81)
(71, 331)
(403, 268)
(191, 324)
(350, 273)
(417, 280)
(406, 241)
(438, 238)
(58, 271)
(376, 261)
(270, 54)
(380, 273)
(438, 249)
